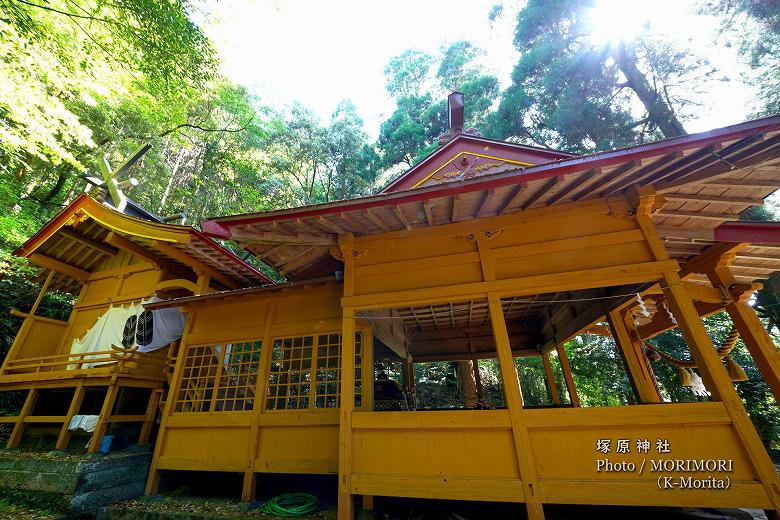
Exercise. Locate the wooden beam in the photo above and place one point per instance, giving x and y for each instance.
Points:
(758, 256)
(426, 204)
(701, 215)
(631, 350)
(540, 192)
(757, 340)
(575, 184)
(27, 408)
(713, 199)
(693, 234)
(513, 195)
(709, 364)
(61, 267)
(346, 505)
(330, 226)
(378, 222)
(573, 280)
(138, 250)
(195, 264)
(487, 196)
(301, 260)
(300, 239)
(733, 183)
(514, 400)
(356, 223)
(601, 182)
(81, 239)
(105, 413)
(426, 358)
(661, 322)
(566, 369)
(64, 438)
(552, 388)
(401, 216)
(454, 209)
(720, 168)
(709, 258)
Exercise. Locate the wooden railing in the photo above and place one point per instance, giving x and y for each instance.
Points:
(38, 337)
(118, 359)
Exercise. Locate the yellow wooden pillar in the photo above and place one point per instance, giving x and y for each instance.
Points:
(153, 481)
(346, 504)
(512, 393)
(566, 369)
(552, 388)
(28, 322)
(249, 487)
(151, 412)
(756, 338)
(42, 292)
(719, 384)
(639, 372)
(367, 368)
(713, 372)
(64, 438)
(105, 413)
(514, 400)
(347, 404)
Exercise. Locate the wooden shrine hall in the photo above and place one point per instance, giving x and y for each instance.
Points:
(485, 249)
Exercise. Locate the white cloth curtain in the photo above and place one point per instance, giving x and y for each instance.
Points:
(167, 326)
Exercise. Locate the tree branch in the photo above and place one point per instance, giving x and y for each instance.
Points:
(53, 10)
(204, 129)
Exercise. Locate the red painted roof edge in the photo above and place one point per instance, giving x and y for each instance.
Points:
(235, 259)
(219, 226)
(461, 137)
(754, 232)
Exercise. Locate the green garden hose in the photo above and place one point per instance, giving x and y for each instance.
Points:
(292, 505)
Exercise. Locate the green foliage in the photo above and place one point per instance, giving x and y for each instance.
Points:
(598, 371)
(571, 91)
(755, 393)
(412, 131)
(755, 25)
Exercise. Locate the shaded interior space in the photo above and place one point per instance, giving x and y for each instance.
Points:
(52, 407)
(443, 356)
(225, 485)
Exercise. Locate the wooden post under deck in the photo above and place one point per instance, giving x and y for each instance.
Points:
(105, 413)
(639, 372)
(151, 412)
(75, 404)
(18, 431)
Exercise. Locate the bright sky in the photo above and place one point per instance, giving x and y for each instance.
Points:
(320, 53)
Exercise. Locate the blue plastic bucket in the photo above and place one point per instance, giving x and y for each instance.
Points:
(105, 444)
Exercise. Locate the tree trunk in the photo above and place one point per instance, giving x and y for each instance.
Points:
(467, 383)
(168, 186)
(661, 114)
